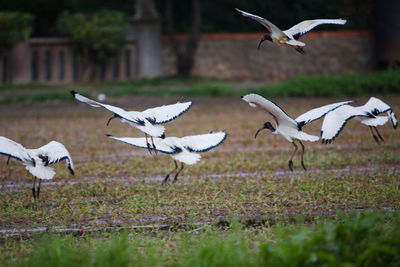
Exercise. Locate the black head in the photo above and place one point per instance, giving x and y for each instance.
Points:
(45, 159)
(266, 125)
(266, 37)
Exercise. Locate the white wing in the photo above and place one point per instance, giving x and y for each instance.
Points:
(12, 149)
(203, 142)
(119, 112)
(377, 121)
(335, 120)
(161, 144)
(270, 107)
(305, 26)
(317, 113)
(166, 113)
(376, 106)
(392, 119)
(267, 24)
(56, 152)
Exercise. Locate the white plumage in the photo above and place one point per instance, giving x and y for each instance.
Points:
(287, 127)
(148, 120)
(290, 36)
(37, 161)
(367, 114)
(184, 149)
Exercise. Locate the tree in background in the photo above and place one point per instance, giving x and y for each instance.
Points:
(14, 28)
(184, 52)
(97, 37)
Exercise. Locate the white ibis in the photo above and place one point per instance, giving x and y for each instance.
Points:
(37, 161)
(290, 36)
(367, 114)
(287, 127)
(184, 149)
(147, 121)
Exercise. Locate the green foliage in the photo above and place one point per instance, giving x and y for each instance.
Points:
(14, 27)
(380, 83)
(338, 85)
(39, 97)
(364, 240)
(97, 37)
(370, 239)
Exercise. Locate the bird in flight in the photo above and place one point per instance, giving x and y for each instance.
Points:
(37, 161)
(147, 121)
(184, 149)
(290, 129)
(367, 114)
(289, 37)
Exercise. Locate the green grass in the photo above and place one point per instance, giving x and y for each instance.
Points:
(370, 239)
(380, 83)
(339, 85)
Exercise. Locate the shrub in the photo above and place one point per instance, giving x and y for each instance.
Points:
(14, 27)
(97, 37)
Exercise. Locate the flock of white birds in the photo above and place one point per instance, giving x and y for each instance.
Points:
(186, 149)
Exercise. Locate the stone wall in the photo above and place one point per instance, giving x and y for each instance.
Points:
(52, 61)
(235, 56)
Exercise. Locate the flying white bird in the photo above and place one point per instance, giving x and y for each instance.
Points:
(37, 161)
(184, 149)
(366, 114)
(287, 127)
(290, 36)
(147, 121)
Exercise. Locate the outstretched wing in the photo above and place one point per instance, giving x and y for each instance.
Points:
(267, 24)
(318, 113)
(376, 106)
(335, 120)
(392, 119)
(166, 113)
(305, 26)
(119, 112)
(14, 150)
(56, 152)
(141, 142)
(203, 142)
(271, 108)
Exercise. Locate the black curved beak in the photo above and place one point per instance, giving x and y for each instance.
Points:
(110, 119)
(259, 130)
(262, 40)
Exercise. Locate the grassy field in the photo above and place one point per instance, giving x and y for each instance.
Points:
(380, 83)
(241, 195)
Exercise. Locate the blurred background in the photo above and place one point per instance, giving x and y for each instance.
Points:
(69, 41)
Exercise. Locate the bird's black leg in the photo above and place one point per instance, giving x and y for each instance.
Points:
(167, 177)
(302, 155)
(373, 134)
(8, 160)
(291, 157)
(33, 189)
(148, 144)
(38, 190)
(176, 175)
(377, 132)
(300, 50)
(154, 146)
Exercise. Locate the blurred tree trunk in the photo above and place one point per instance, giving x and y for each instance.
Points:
(184, 52)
